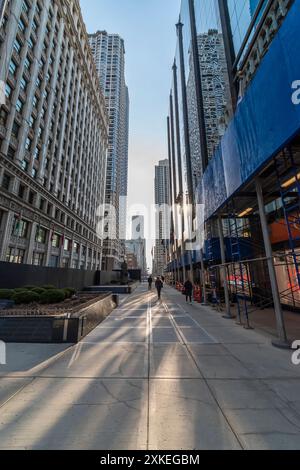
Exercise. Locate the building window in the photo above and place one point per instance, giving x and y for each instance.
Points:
(42, 204)
(55, 241)
(53, 261)
(24, 165)
(36, 153)
(27, 63)
(23, 84)
(34, 25)
(6, 181)
(49, 209)
(12, 67)
(11, 153)
(35, 101)
(31, 197)
(38, 259)
(15, 130)
(8, 90)
(30, 43)
(15, 255)
(17, 46)
(25, 7)
(67, 244)
(28, 143)
(41, 235)
(19, 106)
(21, 25)
(21, 191)
(20, 228)
(3, 117)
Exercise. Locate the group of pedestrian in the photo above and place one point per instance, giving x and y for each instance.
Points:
(188, 288)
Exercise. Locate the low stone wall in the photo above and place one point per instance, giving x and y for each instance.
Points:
(64, 328)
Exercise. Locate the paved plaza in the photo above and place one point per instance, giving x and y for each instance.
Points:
(152, 376)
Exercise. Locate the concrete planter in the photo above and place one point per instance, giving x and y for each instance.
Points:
(65, 328)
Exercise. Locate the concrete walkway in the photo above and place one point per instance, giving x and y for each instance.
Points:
(152, 376)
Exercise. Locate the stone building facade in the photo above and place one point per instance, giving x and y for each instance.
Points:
(53, 138)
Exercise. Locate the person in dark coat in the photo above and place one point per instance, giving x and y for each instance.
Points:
(150, 282)
(188, 289)
(159, 285)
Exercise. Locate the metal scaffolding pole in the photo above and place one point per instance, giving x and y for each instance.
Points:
(203, 277)
(224, 270)
(282, 341)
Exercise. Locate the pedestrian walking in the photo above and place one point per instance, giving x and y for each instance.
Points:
(150, 282)
(188, 290)
(159, 285)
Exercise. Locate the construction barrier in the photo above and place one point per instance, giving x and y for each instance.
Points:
(197, 294)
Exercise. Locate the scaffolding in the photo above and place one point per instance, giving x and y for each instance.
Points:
(247, 267)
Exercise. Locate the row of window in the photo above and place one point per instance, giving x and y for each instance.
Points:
(87, 199)
(17, 256)
(21, 229)
(30, 196)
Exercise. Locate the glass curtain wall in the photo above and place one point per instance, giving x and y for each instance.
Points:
(214, 72)
(242, 13)
(190, 83)
(214, 99)
(176, 138)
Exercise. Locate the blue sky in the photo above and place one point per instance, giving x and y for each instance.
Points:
(148, 29)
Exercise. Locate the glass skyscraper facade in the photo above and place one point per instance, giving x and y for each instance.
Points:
(228, 131)
(201, 103)
(242, 13)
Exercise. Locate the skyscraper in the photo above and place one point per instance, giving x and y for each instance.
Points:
(137, 244)
(109, 55)
(162, 202)
(53, 138)
(137, 227)
(215, 92)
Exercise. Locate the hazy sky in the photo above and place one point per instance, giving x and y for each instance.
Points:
(148, 29)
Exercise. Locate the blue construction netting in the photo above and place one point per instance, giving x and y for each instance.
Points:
(265, 121)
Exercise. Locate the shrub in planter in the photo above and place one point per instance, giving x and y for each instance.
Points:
(69, 292)
(29, 287)
(38, 290)
(53, 296)
(49, 287)
(6, 294)
(25, 297)
(20, 289)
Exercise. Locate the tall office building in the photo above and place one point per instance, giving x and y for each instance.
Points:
(53, 138)
(137, 244)
(137, 227)
(162, 202)
(2, 7)
(109, 55)
(248, 160)
(215, 90)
